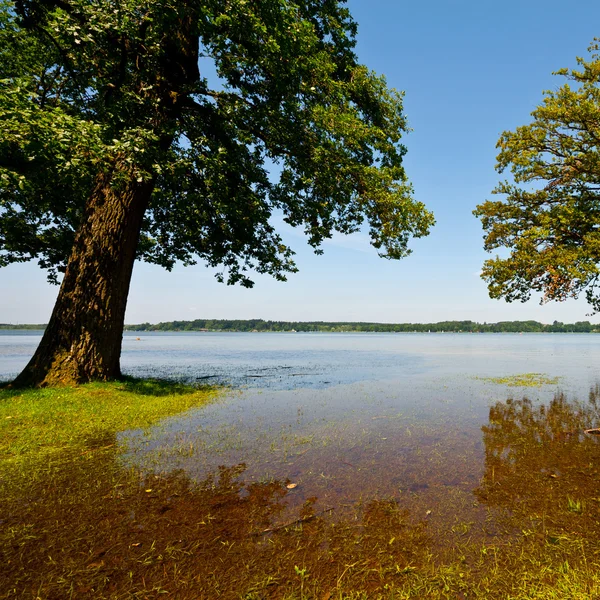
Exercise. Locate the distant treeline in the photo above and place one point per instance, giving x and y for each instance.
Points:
(442, 326)
(26, 326)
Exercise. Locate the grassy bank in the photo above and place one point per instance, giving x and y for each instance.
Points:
(35, 423)
(77, 522)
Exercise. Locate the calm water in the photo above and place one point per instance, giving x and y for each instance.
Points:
(349, 417)
(285, 361)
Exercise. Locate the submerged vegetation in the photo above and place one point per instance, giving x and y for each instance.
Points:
(523, 380)
(79, 521)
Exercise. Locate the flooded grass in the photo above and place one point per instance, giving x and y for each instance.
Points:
(523, 380)
(45, 421)
(385, 504)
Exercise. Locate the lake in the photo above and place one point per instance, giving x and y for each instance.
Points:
(287, 361)
(457, 429)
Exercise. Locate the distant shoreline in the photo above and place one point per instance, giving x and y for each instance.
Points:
(263, 326)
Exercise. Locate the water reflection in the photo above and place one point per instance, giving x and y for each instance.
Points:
(541, 468)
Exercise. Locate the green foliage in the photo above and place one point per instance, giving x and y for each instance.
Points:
(352, 326)
(323, 326)
(87, 85)
(31, 326)
(549, 217)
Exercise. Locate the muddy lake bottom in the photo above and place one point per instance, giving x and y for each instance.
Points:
(331, 466)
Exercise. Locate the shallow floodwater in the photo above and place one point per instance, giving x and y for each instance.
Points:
(427, 421)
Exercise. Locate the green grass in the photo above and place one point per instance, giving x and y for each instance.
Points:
(34, 423)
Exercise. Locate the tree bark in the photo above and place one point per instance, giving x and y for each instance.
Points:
(83, 339)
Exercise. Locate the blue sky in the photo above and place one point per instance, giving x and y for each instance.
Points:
(470, 70)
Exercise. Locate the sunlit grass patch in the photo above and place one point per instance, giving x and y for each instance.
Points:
(39, 421)
(523, 380)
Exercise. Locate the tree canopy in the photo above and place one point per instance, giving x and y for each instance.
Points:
(181, 131)
(549, 218)
(82, 83)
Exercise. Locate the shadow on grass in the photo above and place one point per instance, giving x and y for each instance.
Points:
(158, 387)
(143, 387)
(8, 391)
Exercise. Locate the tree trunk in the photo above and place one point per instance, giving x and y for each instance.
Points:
(83, 339)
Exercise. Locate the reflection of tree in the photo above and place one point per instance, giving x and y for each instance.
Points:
(85, 526)
(539, 463)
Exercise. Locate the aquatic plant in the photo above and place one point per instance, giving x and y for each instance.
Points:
(523, 380)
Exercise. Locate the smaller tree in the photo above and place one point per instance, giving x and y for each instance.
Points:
(549, 219)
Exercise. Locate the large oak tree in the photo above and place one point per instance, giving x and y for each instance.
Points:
(175, 130)
(549, 215)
